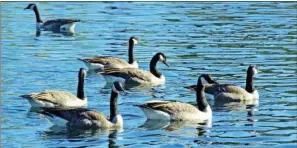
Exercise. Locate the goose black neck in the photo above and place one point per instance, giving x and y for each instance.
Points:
(153, 68)
(200, 98)
(249, 87)
(131, 56)
(113, 105)
(38, 19)
(80, 88)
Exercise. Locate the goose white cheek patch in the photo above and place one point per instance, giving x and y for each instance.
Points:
(255, 70)
(114, 89)
(161, 58)
(84, 73)
(32, 7)
(204, 82)
(135, 41)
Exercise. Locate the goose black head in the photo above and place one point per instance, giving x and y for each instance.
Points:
(82, 73)
(30, 6)
(162, 58)
(134, 40)
(252, 70)
(206, 79)
(200, 84)
(117, 87)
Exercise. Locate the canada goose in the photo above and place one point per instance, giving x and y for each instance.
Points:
(132, 76)
(86, 118)
(230, 92)
(101, 62)
(57, 25)
(174, 110)
(53, 98)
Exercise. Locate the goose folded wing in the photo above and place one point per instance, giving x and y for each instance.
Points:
(60, 21)
(106, 60)
(171, 107)
(129, 73)
(219, 88)
(64, 113)
(69, 114)
(93, 115)
(53, 96)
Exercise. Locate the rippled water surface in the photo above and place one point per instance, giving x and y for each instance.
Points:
(218, 38)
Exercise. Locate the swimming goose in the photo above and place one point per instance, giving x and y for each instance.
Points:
(101, 62)
(53, 98)
(230, 92)
(86, 118)
(174, 110)
(63, 25)
(134, 76)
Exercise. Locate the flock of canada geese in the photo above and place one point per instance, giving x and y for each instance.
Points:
(122, 75)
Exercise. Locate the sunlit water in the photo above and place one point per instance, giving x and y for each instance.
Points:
(217, 38)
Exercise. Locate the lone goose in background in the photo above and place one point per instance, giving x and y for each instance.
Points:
(230, 92)
(132, 76)
(101, 62)
(53, 98)
(86, 118)
(58, 25)
(174, 110)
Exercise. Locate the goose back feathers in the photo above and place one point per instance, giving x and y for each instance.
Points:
(103, 62)
(53, 98)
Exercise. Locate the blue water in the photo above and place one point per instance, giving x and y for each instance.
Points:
(218, 38)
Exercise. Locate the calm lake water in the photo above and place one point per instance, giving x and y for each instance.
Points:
(218, 38)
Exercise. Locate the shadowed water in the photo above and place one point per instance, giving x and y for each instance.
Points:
(218, 38)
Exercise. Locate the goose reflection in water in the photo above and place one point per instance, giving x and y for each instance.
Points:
(173, 125)
(250, 106)
(57, 33)
(58, 132)
(231, 106)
